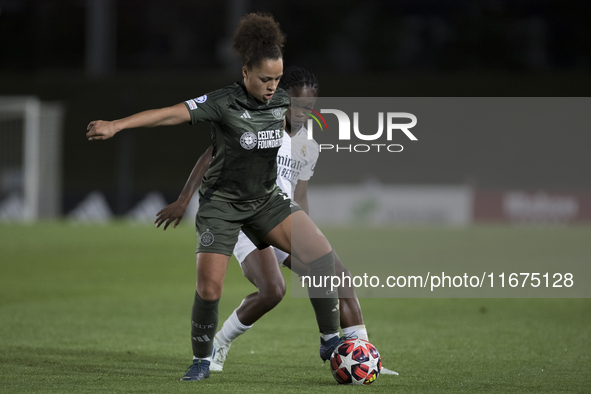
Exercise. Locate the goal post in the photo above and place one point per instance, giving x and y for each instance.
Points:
(31, 162)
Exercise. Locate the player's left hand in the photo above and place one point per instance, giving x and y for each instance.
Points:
(171, 213)
(100, 130)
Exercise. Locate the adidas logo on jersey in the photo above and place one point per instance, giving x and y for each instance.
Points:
(246, 115)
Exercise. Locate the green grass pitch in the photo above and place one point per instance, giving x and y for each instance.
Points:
(107, 308)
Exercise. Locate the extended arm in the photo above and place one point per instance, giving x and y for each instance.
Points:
(175, 211)
(168, 116)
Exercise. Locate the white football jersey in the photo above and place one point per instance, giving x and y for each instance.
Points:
(296, 160)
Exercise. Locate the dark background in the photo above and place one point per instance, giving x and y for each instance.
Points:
(160, 53)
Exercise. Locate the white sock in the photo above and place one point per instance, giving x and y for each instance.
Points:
(204, 358)
(326, 337)
(232, 329)
(356, 331)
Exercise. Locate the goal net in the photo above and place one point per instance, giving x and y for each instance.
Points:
(30, 158)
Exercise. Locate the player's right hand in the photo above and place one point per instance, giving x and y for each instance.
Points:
(100, 130)
(171, 213)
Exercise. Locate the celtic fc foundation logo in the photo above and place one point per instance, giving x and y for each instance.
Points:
(248, 140)
(276, 113)
(206, 238)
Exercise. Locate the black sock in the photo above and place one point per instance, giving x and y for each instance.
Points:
(324, 301)
(204, 323)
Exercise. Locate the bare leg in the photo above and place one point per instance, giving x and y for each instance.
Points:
(306, 242)
(211, 271)
(261, 268)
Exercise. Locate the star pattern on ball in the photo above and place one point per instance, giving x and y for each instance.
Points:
(347, 361)
(372, 363)
(356, 362)
(359, 342)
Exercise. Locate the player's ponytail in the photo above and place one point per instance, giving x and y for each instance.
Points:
(258, 37)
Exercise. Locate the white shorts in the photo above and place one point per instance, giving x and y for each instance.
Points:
(244, 247)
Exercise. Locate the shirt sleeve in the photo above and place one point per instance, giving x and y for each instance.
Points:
(204, 109)
(310, 165)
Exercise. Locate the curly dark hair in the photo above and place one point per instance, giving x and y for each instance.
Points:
(298, 77)
(258, 37)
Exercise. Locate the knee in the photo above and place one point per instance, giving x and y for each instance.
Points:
(339, 268)
(209, 291)
(324, 265)
(343, 272)
(272, 295)
(323, 247)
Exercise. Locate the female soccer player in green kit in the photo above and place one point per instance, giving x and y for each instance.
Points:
(296, 161)
(239, 191)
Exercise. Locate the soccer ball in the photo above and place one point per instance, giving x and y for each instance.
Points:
(355, 361)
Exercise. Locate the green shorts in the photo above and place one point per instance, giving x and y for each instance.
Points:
(218, 222)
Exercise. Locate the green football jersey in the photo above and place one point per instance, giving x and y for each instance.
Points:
(246, 136)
